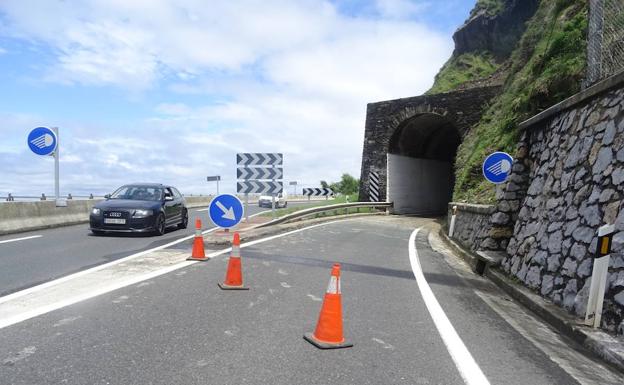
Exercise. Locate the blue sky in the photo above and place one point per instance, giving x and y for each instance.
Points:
(171, 90)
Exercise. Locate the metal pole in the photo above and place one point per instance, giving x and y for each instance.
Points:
(57, 190)
(273, 205)
(246, 207)
(217, 186)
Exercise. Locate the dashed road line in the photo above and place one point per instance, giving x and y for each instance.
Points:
(21, 239)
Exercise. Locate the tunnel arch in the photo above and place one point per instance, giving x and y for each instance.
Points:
(420, 159)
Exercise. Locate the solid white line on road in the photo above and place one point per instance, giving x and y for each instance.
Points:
(467, 366)
(103, 266)
(103, 279)
(21, 239)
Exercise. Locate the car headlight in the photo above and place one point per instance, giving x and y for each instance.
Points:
(95, 211)
(142, 213)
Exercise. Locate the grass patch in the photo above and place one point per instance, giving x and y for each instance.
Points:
(461, 69)
(547, 66)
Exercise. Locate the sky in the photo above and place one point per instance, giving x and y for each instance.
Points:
(170, 91)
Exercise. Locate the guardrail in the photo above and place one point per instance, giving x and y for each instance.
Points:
(320, 209)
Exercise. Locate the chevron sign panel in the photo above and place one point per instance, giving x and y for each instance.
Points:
(259, 159)
(317, 192)
(259, 173)
(258, 187)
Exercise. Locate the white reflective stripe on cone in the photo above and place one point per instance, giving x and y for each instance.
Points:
(235, 251)
(334, 285)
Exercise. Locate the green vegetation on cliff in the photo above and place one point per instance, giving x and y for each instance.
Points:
(461, 69)
(546, 67)
(491, 7)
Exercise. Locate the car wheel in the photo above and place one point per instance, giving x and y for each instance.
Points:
(184, 223)
(159, 227)
(285, 204)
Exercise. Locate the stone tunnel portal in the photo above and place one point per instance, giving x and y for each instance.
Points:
(421, 154)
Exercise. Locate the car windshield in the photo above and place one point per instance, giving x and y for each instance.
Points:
(138, 193)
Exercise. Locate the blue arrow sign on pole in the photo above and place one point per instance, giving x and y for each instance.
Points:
(226, 210)
(497, 167)
(42, 141)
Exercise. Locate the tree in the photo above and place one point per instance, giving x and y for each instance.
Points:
(348, 184)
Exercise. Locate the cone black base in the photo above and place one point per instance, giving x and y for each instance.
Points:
(223, 286)
(197, 259)
(324, 345)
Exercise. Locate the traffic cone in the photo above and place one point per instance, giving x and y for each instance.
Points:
(198, 244)
(328, 333)
(234, 274)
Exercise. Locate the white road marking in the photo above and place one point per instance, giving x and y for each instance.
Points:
(33, 302)
(21, 239)
(468, 368)
(103, 266)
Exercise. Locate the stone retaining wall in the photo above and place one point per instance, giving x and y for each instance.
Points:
(568, 179)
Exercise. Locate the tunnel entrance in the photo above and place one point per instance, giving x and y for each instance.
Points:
(421, 155)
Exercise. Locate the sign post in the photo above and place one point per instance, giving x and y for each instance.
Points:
(294, 184)
(44, 141)
(593, 314)
(215, 178)
(452, 225)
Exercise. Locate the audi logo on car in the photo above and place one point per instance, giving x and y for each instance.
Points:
(116, 215)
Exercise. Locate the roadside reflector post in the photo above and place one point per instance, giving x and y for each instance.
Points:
(593, 314)
(452, 225)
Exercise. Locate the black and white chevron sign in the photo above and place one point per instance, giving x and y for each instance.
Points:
(258, 187)
(259, 173)
(259, 159)
(373, 186)
(317, 192)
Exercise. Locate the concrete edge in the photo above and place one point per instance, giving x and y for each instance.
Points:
(598, 343)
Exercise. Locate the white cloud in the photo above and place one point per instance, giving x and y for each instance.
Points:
(284, 76)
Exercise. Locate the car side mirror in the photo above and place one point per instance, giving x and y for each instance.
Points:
(107, 196)
(168, 198)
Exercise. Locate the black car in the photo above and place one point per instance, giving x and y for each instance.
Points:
(141, 208)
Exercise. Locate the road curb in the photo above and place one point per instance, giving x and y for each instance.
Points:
(600, 344)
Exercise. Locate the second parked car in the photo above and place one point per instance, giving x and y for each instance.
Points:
(140, 207)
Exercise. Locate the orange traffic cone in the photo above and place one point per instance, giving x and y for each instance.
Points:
(328, 333)
(198, 244)
(234, 274)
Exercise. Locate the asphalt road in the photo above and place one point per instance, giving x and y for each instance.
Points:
(180, 328)
(66, 250)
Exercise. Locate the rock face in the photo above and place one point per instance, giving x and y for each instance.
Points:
(496, 34)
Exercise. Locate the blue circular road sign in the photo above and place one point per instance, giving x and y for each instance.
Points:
(497, 167)
(42, 141)
(226, 210)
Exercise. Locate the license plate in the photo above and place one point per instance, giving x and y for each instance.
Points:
(115, 221)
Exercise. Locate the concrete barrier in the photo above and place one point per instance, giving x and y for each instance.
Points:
(17, 217)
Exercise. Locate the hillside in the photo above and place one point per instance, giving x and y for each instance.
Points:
(534, 49)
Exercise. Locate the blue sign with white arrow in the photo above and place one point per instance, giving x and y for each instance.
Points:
(226, 210)
(42, 141)
(497, 167)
